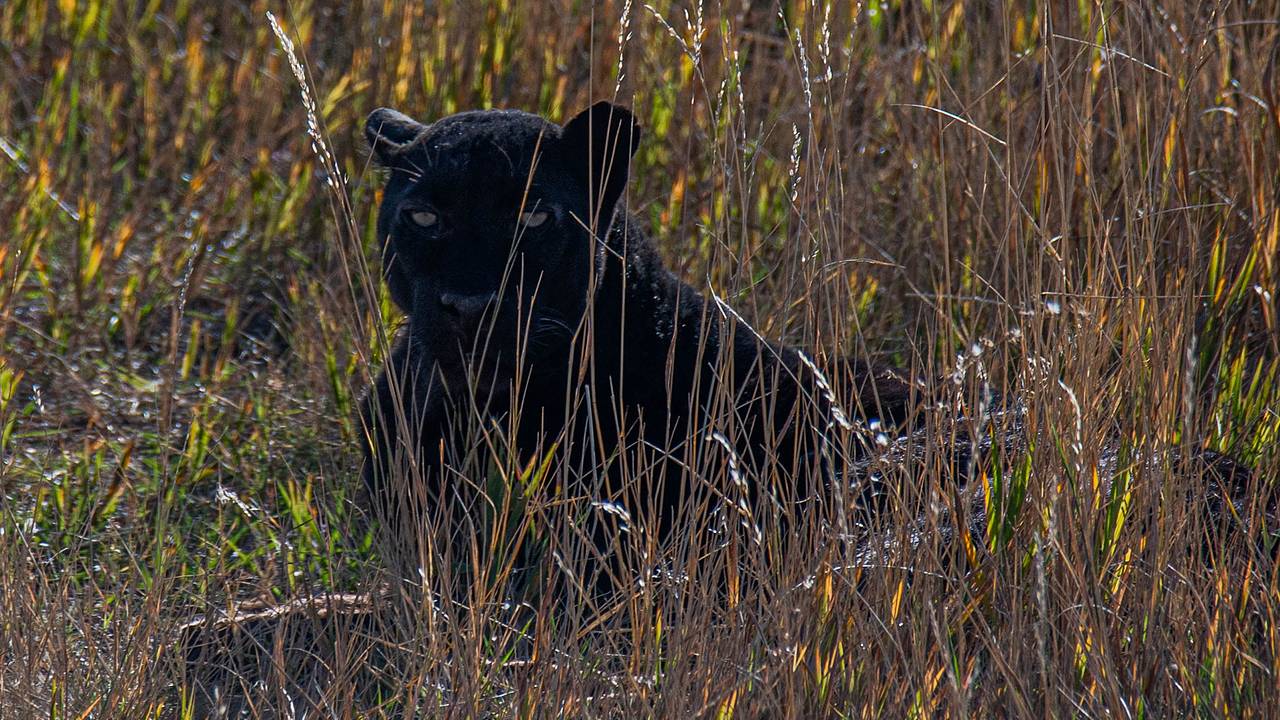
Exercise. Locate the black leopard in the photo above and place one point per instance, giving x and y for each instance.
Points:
(533, 295)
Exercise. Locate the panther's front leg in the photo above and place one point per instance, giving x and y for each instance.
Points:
(405, 426)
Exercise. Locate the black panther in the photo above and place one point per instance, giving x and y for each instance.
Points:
(530, 289)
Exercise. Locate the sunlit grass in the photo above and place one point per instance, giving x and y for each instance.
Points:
(1075, 205)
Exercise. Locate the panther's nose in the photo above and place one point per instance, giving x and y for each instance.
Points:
(466, 311)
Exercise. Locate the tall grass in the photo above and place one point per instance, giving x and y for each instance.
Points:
(1071, 204)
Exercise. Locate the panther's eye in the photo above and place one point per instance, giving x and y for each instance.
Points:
(423, 218)
(534, 219)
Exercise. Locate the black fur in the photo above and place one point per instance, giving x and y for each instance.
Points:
(583, 301)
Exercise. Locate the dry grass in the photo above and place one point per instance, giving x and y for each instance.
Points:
(1073, 203)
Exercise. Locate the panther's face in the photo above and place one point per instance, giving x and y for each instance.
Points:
(492, 224)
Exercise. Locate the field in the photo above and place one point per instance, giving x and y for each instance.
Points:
(1075, 204)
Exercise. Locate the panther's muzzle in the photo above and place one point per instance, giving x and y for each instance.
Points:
(465, 314)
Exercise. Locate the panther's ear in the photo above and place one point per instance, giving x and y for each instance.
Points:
(388, 132)
(601, 141)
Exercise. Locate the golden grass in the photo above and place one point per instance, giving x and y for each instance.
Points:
(1074, 203)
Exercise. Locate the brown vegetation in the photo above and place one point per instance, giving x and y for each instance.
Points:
(1071, 203)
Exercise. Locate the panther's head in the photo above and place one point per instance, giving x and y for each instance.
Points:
(491, 224)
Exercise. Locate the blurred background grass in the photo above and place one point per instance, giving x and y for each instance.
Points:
(1073, 201)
